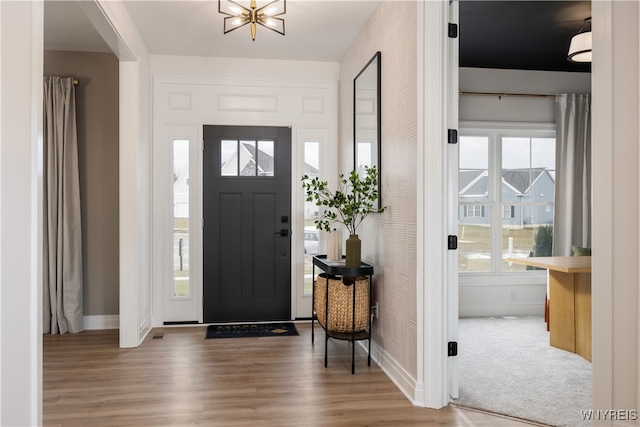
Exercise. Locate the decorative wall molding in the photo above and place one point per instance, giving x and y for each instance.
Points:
(310, 108)
(248, 103)
(312, 105)
(179, 100)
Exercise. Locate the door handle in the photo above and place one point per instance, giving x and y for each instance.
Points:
(284, 232)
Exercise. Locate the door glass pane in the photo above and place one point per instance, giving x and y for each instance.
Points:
(266, 164)
(229, 158)
(311, 234)
(247, 158)
(181, 284)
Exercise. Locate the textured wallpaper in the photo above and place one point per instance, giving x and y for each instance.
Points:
(389, 239)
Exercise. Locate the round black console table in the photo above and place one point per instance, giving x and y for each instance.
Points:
(339, 269)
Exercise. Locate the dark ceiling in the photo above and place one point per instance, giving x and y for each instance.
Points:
(522, 35)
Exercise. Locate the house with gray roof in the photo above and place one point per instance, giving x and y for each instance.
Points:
(518, 186)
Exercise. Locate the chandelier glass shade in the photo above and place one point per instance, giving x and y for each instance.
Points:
(239, 15)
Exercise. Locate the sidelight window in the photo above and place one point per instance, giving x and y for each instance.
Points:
(181, 279)
(311, 212)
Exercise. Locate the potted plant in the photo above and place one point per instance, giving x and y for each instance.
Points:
(349, 205)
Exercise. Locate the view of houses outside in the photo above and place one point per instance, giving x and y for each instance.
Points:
(312, 236)
(246, 158)
(181, 284)
(506, 193)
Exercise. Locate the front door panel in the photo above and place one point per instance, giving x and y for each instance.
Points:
(247, 210)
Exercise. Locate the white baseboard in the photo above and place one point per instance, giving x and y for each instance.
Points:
(396, 373)
(497, 309)
(110, 321)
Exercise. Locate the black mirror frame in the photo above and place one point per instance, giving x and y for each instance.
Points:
(376, 161)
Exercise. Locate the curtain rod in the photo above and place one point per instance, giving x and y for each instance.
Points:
(500, 95)
(76, 82)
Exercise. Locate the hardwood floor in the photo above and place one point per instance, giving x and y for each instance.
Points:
(185, 380)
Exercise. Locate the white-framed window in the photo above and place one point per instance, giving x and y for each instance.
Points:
(473, 211)
(506, 188)
(311, 213)
(508, 211)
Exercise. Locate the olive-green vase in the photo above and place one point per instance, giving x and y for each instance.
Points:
(353, 251)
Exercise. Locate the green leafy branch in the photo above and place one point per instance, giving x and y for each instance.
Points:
(349, 204)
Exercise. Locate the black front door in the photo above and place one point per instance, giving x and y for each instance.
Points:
(247, 223)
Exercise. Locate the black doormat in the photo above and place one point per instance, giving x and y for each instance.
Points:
(247, 330)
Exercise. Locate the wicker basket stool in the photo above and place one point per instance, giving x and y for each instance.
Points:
(341, 303)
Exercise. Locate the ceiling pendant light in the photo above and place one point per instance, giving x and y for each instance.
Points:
(239, 15)
(580, 47)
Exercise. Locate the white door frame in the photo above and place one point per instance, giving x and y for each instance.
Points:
(182, 101)
(167, 307)
(603, 209)
(433, 311)
(109, 19)
(21, 98)
(452, 196)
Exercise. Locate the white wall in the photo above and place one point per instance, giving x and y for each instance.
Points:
(489, 295)
(243, 69)
(21, 44)
(389, 240)
(516, 109)
(113, 23)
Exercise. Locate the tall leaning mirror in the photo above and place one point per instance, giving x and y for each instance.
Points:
(366, 117)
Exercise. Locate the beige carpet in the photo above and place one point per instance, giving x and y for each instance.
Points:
(508, 367)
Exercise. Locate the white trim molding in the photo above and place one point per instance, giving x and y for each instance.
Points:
(21, 98)
(251, 102)
(602, 181)
(405, 382)
(100, 322)
(432, 309)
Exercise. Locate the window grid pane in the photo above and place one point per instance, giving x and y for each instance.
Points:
(266, 163)
(228, 157)
(247, 158)
(528, 182)
(474, 238)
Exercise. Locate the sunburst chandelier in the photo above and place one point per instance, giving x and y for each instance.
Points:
(239, 15)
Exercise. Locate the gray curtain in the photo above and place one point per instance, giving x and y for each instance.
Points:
(62, 262)
(572, 219)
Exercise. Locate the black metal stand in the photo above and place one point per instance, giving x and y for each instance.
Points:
(338, 268)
